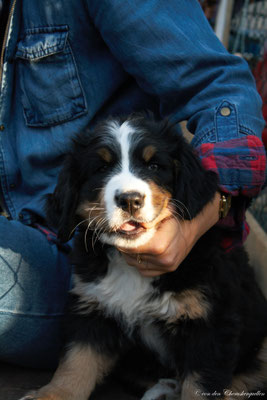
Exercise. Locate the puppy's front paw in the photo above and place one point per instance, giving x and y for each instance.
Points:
(165, 389)
(27, 398)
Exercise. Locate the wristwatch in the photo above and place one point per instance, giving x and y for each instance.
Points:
(225, 205)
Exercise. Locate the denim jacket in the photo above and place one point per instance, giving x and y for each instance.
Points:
(67, 64)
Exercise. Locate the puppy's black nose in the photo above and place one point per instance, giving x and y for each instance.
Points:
(129, 201)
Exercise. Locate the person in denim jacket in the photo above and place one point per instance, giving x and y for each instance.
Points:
(64, 66)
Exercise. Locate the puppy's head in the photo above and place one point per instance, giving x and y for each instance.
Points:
(122, 179)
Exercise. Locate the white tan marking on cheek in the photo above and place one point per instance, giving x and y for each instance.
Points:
(160, 202)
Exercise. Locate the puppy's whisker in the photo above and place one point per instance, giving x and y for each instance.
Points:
(95, 189)
(100, 227)
(178, 221)
(180, 204)
(96, 230)
(85, 239)
(177, 214)
(94, 208)
(92, 221)
(177, 210)
(181, 227)
(95, 205)
(76, 226)
(90, 212)
(86, 232)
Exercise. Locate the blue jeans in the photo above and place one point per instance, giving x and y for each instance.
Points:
(34, 281)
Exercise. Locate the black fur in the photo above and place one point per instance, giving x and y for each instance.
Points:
(217, 348)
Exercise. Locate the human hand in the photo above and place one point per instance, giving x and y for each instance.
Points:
(172, 242)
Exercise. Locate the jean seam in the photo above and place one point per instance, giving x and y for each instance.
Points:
(30, 315)
(15, 275)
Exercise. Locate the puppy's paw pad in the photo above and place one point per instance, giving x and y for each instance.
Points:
(37, 396)
(32, 395)
(173, 384)
(28, 398)
(165, 389)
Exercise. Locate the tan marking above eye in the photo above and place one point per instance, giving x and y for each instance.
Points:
(149, 152)
(105, 154)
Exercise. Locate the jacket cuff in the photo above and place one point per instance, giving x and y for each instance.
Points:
(240, 164)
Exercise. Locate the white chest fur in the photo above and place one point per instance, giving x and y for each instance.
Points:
(125, 292)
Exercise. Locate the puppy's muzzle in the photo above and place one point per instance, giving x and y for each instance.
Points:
(129, 201)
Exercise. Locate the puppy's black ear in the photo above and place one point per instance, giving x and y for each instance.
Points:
(195, 186)
(62, 204)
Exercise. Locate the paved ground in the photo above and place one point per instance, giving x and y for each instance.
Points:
(16, 381)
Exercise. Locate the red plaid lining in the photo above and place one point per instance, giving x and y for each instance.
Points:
(240, 164)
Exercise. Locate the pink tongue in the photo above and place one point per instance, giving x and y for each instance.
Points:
(128, 226)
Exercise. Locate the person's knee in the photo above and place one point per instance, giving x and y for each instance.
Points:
(30, 341)
(34, 285)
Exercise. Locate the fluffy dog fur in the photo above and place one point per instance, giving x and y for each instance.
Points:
(205, 323)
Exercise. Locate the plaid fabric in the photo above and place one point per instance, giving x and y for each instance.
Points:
(240, 164)
(233, 239)
(260, 74)
(52, 238)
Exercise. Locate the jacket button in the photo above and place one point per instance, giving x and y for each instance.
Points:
(21, 217)
(225, 111)
(2, 128)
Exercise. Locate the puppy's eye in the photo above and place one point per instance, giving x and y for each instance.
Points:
(103, 168)
(153, 167)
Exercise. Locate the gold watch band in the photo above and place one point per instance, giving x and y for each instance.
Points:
(225, 205)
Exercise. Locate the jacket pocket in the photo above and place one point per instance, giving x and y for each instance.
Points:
(51, 88)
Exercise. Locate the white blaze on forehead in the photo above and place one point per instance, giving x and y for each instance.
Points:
(125, 180)
(126, 136)
(123, 135)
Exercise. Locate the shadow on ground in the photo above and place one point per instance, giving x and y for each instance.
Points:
(16, 381)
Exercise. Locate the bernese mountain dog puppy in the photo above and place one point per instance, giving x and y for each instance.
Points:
(204, 324)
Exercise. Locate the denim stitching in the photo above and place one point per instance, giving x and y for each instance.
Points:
(15, 275)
